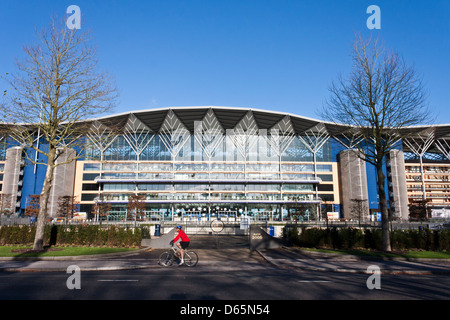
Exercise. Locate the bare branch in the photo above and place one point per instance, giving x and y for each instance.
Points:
(376, 103)
(56, 89)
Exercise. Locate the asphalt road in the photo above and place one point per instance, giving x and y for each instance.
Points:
(229, 280)
(246, 281)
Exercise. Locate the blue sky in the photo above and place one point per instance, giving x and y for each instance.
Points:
(275, 55)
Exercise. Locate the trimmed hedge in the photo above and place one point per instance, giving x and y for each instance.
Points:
(353, 238)
(79, 235)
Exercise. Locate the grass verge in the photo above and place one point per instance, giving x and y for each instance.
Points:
(21, 251)
(415, 254)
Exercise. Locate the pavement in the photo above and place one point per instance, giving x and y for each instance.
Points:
(229, 254)
(286, 257)
(228, 259)
(146, 258)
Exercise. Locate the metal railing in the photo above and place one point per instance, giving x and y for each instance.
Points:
(204, 225)
(11, 221)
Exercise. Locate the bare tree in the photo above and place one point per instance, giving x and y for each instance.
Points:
(359, 209)
(419, 210)
(67, 206)
(32, 209)
(101, 208)
(377, 101)
(136, 205)
(57, 87)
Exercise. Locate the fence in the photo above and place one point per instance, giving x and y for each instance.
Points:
(12, 221)
(202, 226)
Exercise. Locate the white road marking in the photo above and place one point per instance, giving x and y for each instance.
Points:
(117, 280)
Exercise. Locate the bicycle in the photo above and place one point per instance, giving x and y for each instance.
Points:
(168, 257)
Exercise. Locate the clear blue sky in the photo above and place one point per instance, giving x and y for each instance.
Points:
(276, 55)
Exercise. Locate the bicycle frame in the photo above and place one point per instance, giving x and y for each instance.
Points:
(168, 257)
(173, 254)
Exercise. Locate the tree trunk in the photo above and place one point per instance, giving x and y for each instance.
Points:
(386, 241)
(45, 194)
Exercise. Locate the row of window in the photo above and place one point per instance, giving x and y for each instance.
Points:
(427, 169)
(205, 176)
(156, 150)
(205, 187)
(195, 167)
(209, 197)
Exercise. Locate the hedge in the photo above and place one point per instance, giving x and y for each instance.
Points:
(71, 235)
(353, 238)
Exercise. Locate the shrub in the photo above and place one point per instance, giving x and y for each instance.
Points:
(443, 240)
(79, 235)
(291, 235)
(17, 235)
(310, 237)
(350, 238)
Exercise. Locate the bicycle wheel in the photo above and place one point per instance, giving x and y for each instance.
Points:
(190, 258)
(165, 259)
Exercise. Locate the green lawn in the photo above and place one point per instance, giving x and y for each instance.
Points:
(6, 251)
(406, 254)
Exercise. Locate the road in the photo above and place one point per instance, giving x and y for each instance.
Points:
(229, 279)
(246, 281)
(232, 281)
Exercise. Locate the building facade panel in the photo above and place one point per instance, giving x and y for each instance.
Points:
(12, 178)
(353, 182)
(397, 187)
(64, 180)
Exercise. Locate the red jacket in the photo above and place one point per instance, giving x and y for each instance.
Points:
(182, 235)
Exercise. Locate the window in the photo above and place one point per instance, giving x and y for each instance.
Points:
(327, 197)
(90, 176)
(298, 187)
(119, 186)
(154, 187)
(119, 150)
(324, 167)
(325, 177)
(119, 167)
(89, 187)
(91, 167)
(88, 196)
(155, 151)
(325, 187)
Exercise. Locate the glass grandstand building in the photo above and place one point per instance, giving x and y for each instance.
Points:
(200, 163)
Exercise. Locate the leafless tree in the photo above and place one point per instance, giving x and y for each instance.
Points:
(419, 210)
(101, 208)
(56, 89)
(359, 209)
(136, 205)
(381, 96)
(32, 209)
(67, 206)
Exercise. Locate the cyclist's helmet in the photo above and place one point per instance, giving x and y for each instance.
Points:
(179, 227)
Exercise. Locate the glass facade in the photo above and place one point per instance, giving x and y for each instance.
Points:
(210, 169)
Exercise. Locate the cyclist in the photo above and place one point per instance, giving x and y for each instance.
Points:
(183, 244)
